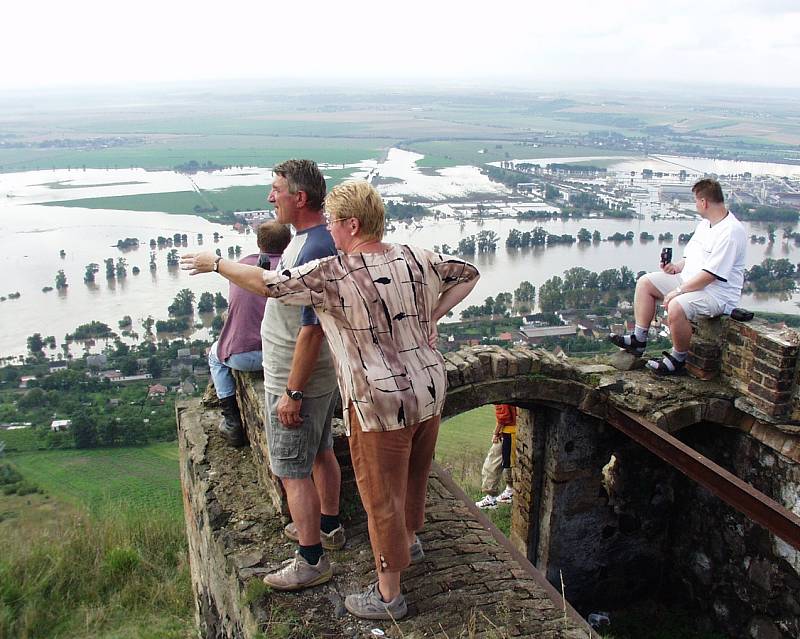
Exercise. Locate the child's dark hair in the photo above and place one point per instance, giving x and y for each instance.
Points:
(273, 237)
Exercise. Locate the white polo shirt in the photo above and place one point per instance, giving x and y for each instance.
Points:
(719, 250)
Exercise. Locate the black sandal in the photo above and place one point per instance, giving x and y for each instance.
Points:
(634, 348)
(658, 367)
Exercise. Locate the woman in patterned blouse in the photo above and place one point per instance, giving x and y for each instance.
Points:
(378, 304)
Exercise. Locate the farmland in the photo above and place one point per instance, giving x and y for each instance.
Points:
(103, 479)
(234, 198)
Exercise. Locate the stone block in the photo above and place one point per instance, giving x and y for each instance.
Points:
(498, 364)
(773, 359)
(454, 378)
(791, 448)
(705, 349)
(769, 408)
(484, 355)
(710, 364)
(674, 418)
(626, 361)
(477, 372)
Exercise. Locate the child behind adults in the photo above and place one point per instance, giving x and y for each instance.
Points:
(499, 458)
(239, 344)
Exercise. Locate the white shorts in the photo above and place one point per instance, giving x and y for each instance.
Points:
(694, 304)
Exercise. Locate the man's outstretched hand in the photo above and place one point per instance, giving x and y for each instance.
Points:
(197, 263)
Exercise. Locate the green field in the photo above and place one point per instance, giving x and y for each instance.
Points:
(444, 153)
(165, 154)
(145, 478)
(466, 435)
(21, 440)
(64, 184)
(231, 199)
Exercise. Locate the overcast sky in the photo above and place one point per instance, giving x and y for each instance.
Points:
(49, 44)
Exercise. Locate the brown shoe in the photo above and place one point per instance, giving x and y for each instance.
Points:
(296, 573)
(334, 540)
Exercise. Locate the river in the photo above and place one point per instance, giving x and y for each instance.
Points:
(32, 235)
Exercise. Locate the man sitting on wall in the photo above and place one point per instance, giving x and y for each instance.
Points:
(707, 282)
(239, 343)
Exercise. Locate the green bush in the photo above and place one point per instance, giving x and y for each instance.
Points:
(9, 475)
(26, 488)
(120, 562)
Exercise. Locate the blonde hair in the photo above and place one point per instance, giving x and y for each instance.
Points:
(358, 199)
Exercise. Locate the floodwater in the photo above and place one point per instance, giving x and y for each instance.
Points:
(32, 235)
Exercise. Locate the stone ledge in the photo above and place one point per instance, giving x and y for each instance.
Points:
(467, 583)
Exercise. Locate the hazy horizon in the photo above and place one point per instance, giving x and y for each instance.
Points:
(594, 46)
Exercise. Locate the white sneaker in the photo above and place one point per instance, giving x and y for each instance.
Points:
(487, 502)
(505, 496)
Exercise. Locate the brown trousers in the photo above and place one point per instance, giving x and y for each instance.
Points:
(391, 470)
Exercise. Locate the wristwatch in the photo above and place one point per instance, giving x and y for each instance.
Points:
(294, 394)
(216, 264)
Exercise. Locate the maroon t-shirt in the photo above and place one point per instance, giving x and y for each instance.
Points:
(242, 330)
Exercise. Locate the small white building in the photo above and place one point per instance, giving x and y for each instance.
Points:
(59, 425)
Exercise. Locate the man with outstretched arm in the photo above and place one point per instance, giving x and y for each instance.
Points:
(707, 282)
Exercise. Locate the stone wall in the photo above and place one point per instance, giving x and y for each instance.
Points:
(728, 568)
(597, 509)
(468, 584)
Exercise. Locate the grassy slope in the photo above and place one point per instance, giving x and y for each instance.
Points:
(461, 449)
(120, 573)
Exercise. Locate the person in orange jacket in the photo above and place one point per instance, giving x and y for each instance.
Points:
(499, 458)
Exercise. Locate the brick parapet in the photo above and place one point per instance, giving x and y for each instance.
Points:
(760, 361)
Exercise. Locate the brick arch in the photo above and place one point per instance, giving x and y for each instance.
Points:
(565, 517)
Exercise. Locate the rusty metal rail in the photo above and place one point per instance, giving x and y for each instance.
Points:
(732, 490)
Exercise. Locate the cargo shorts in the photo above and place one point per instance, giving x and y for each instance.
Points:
(292, 450)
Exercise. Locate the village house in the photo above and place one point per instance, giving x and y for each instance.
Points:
(55, 367)
(157, 390)
(60, 425)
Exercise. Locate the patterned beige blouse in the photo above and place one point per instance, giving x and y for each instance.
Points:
(375, 309)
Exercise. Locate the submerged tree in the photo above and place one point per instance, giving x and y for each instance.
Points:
(61, 280)
(91, 270)
(183, 304)
(206, 303)
(121, 268)
(220, 303)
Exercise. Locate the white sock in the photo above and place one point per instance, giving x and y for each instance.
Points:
(679, 355)
(640, 332)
